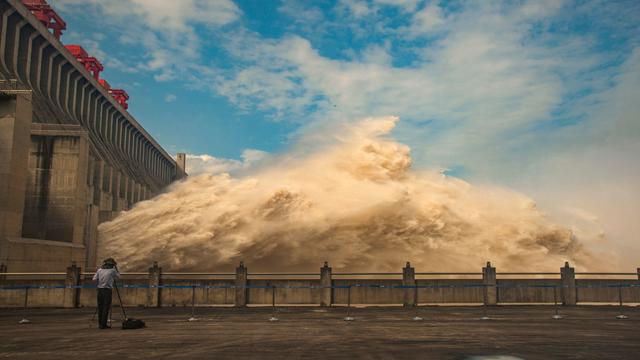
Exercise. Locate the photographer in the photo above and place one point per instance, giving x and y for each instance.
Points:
(105, 277)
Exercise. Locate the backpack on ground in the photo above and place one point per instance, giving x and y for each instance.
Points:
(130, 323)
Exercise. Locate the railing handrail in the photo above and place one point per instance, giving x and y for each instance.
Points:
(122, 274)
(366, 273)
(32, 273)
(607, 273)
(528, 273)
(448, 273)
(197, 274)
(283, 274)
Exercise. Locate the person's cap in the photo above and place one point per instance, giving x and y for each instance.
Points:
(110, 261)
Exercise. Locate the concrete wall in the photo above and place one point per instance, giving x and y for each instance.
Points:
(450, 291)
(605, 292)
(368, 295)
(35, 297)
(182, 296)
(41, 255)
(373, 289)
(601, 290)
(54, 189)
(297, 294)
(528, 290)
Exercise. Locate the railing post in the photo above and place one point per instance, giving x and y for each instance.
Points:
(71, 291)
(241, 283)
(154, 292)
(3, 269)
(409, 279)
(490, 285)
(326, 292)
(638, 270)
(568, 282)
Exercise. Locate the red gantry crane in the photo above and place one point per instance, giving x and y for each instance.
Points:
(121, 97)
(51, 19)
(46, 15)
(90, 63)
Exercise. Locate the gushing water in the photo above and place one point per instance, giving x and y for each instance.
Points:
(356, 203)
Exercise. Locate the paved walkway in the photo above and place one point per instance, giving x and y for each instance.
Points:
(526, 332)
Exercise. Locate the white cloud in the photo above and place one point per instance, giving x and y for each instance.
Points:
(480, 78)
(357, 8)
(163, 31)
(427, 19)
(166, 16)
(368, 9)
(480, 85)
(588, 174)
(301, 12)
(207, 164)
(169, 98)
(406, 5)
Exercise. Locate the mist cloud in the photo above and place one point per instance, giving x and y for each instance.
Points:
(355, 203)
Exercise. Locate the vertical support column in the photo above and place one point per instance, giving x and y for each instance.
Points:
(409, 279)
(15, 142)
(3, 269)
(71, 292)
(490, 284)
(124, 191)
(147, 156)
(81, 221)
(241, 283)
(638, 270)
(153, 292)
(181, 161)
(115, 191)
(326, 292)
(568, 281)
(130, 142)
(130, 191)
(97, 181)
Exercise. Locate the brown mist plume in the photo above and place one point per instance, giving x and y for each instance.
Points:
(356, 204)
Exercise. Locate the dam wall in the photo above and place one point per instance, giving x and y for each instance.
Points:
(71, 155)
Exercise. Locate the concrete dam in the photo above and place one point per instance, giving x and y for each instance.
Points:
(71, 156)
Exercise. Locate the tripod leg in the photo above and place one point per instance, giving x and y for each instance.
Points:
(93, 318)
(124, 314)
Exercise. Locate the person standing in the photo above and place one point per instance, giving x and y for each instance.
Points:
(105, 278)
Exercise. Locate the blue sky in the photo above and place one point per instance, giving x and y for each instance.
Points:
(540, 96)
(219, 77)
